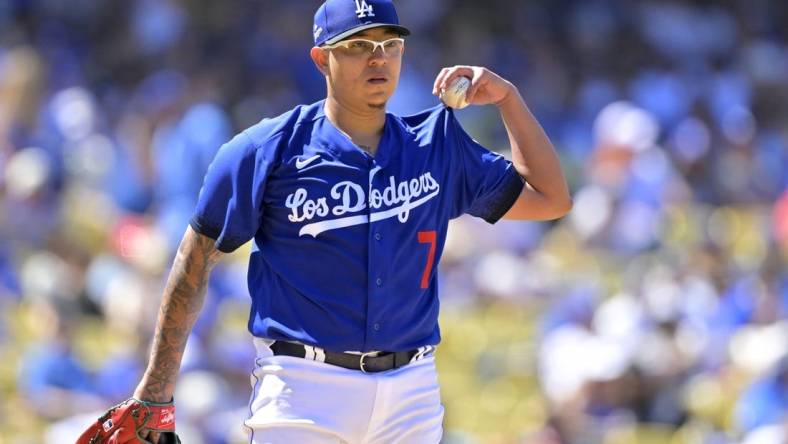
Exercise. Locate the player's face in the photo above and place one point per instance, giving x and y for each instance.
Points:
(362, 77)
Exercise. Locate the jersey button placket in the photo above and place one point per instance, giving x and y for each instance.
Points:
(376, 259)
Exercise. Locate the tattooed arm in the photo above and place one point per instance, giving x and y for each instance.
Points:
(180, 306)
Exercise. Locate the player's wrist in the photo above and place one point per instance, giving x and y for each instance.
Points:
(511, 94)
(156, 399)
(145, 394)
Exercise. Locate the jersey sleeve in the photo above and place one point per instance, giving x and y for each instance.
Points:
(229, 207)
(486, 185)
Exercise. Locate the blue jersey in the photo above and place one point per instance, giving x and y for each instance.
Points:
(346, 244)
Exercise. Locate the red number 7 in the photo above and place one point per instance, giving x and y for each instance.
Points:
(428, 237)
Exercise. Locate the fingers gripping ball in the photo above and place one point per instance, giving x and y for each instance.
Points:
(124, 422)
(454, 95)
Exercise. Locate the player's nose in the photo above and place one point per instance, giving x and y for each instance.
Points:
(377, 56)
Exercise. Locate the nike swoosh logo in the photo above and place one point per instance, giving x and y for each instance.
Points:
(302, 163)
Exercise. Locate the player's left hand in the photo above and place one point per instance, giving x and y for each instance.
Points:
(486, 86)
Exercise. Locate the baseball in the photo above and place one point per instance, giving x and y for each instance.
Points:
(454, 95)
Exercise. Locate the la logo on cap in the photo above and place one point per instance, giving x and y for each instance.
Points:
(363, 9)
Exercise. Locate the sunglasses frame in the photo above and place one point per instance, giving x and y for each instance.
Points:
(345, 44)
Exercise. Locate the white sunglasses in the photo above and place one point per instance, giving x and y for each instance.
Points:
(357, 47)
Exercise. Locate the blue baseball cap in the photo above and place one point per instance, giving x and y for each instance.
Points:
(337, 19)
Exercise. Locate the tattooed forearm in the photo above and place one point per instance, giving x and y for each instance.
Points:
(181, 304)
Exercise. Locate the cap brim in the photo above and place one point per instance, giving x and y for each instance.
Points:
(401, 29)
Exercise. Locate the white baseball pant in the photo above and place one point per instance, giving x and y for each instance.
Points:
(296, 400)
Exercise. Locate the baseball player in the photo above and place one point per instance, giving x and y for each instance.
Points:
(348, 207)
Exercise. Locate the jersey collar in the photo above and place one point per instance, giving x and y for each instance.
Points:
(390, 141)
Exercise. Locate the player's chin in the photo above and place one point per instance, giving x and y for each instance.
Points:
(376, 105)
(378, 100)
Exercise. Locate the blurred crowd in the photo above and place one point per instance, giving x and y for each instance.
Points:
(655, 312)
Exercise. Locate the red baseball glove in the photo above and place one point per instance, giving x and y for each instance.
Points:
(123, 423)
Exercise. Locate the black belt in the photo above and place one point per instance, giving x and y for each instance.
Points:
(366, 362)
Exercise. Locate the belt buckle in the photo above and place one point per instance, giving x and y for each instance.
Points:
(361, 361)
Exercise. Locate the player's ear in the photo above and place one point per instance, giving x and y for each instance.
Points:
(320, 57)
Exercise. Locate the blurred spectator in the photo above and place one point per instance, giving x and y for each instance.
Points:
(765, 401)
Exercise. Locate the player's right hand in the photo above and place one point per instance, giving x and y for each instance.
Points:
(133, 421)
